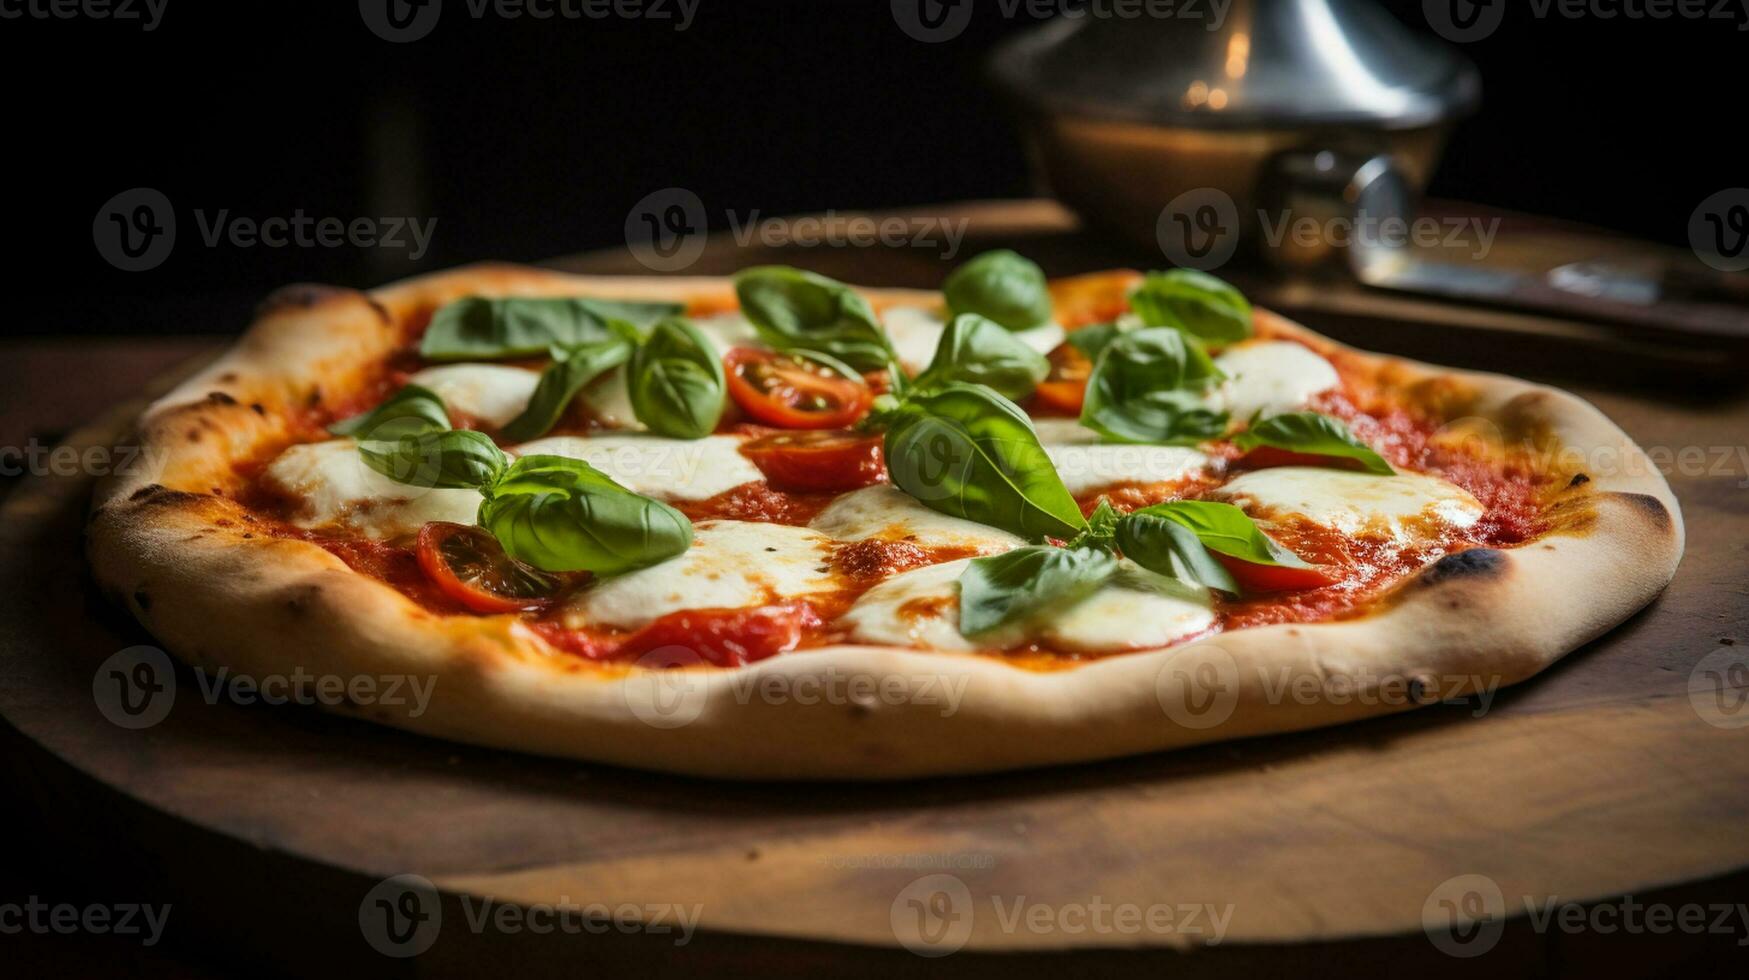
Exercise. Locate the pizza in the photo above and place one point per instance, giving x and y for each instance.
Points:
(776, 526)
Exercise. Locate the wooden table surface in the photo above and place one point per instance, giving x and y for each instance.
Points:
(1603, 777)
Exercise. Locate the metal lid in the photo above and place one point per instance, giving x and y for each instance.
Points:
(1270, 63)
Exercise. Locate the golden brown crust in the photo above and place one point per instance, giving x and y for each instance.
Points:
(169, 543)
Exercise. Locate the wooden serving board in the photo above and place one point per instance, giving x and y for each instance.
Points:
(268, 826)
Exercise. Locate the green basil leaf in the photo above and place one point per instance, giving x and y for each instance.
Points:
(412, 411)
(977, 350)
(794, 309)
(1162, 545)
(480, 328)
(1002, 286)
(677, 383)
(968, 452)
(455, 459)
(1148, 386)
(1315, 435)
(563, 515)
(1019, 585)
(572, 369)
(1092, 339)
(1223, 528)
(1195, 302)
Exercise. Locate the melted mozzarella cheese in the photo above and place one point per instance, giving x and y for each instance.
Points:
(726, 330)
(669, 469)
(1402, 508)
(1086, 465)
(731, 565)
(492, 393)
(609, 400)
(885, 512)
(1044, 338)
(1271, 377)
(337, 488)
(1137, 610)
(916, 332)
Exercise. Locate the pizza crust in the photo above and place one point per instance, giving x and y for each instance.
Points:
(167, 542)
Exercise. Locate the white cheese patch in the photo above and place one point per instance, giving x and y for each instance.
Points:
(492, 393)
(337, 488)
(1063, 432)
(731, 565)
(1401, 508)
(726, 330)
(885, 512)
(1271, 377)
(609, 400)
(1044, 338)
(1136, 610)
(916, 332)
(668, 469)
(1086, 465)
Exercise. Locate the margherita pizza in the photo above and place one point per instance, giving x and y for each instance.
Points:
(777, 526)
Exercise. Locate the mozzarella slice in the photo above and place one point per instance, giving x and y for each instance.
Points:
(1063, 432)
(731, 565)
(726, 330)
(335, 487)
(1087, 465)
(610, 401)
(1137, 610)
(669, 469)
(885, 512)
(1271, 377)
(1402, 508)
(492, 393)
(916, 332)
(1044, 338)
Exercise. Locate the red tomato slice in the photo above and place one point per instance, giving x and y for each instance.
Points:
(470, 566)
(793, 392)
(820, 459)
(1253, 577)
(1065, 388)
(724, 637)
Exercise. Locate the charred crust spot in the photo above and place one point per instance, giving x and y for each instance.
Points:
(381, 311)
(229, 378)
(257, 408)
(302, 599)
(1476, 563)
(142, 600)
(157, 493)
(314, 398)
(1653, 509)
(220, 398)
(300, 296)
(1578, 480)
(193, 435)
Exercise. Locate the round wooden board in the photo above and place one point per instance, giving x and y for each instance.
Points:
(269, 825)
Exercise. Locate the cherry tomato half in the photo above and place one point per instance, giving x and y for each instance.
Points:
(819, 459)
(793, 392)
(469, 565)
(1253, 577)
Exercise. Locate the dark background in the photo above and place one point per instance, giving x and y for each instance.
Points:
(528, 139)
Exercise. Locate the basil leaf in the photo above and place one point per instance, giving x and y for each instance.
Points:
(1020, 584)
(1195, 302)
(1220, 527)
(412, 411)
(977, 350)
(1314, 435)
(563, 515)
(677, 382)
(1148, 387)
(1162, 545)
(968, 452)
(794, 309)
(572, 369)
(1003, 286)
(479, 328)
(455, 459)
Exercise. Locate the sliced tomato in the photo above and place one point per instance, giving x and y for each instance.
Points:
(1253, 577)
(793, 392)
(819, 459)
(1265, 457)
(1065, 388)
(725, 637)
(470, 566)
